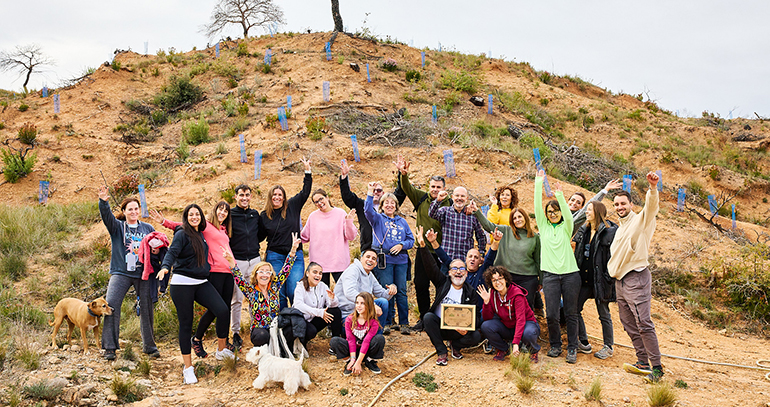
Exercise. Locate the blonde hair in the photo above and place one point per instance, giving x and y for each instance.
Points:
(253, 279)
(386, 196)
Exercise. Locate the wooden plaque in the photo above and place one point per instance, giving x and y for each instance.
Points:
(458, 316)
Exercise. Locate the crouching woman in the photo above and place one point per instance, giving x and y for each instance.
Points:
(364, 345)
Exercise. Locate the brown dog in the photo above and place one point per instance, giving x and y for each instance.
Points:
(86, 315)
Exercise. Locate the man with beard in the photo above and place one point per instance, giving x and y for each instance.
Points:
(458, 226)
(452, 289)
(358, 277)
(421, 201)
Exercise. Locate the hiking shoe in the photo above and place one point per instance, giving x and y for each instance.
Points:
(554, 352)
(533, 357)
(604, 353)
(346, 371)
(500, 355)
(224, 354)
(197, 346)
(584, 347)
(154, 354)
(456, 354)
(386, 331)
(405, 330)
(572, 356)
(654, 376)
(441, 360)
(395, 327)
(332, 352)
(189, 375)
(371, 364)
(418, 327)
(639, 368)
(237, 341)
(109, 354)
(230, 346)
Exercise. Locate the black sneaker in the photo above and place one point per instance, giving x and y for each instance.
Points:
(572, 356)
(405, 330)
(229, 346)
(554, 352)
(371, 364)
(395, 327)
(346, 372)
(418, 327)
(109, 354)
(332, 352)
(386, 331)
(197, 346)
(154, 355)
(237, 341)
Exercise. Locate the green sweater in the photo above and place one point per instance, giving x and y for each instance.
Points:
(422, 206)
(520, 256)
(556, 254)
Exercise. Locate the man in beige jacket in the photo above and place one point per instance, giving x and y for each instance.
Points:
(629, 266)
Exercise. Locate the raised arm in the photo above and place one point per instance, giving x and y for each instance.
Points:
(564, 207)
(430, 266)
(110, 222)
(651, 201)
(539, 213)
(350, 199)
(299, 200)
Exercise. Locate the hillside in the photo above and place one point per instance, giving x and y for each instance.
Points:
(108, 123)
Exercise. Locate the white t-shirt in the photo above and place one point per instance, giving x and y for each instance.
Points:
(454, 296)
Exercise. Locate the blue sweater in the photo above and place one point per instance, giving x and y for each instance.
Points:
(389, 232)
(125, 239)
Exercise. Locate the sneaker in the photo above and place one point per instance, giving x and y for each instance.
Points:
(109, 354)
(395, 327)
(136, 307)
(572, 356)
(639, 368)
(441, 360)
(189, 375)
(500, 355)
(237, 341)
(584, 348)
(371, 364)
(456, 354)
(345, 371)
(604, 353)
(224, 354)
(554, 352)
(197, 346)
(154, 354)
(230, 346)
(332, 352)
(488, 349)
(405, 330)
(533, 357)
(654, 376)
(418, 327)
(386, 331)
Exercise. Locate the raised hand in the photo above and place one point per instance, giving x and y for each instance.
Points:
(157, 216)
(330, 293)
(653, 179)
(306, 163)
(442, 195)
(345, 168)
(472, 207)
(351, 215)
(419, 236)
(431, 235)
(228, 256)
(370, 187)
(104, 193)
(541, 173)
(613, 184)
(401, 164)
(484, 294)
(497, 235)
(557, 186)
(295, 241)
(492, 199)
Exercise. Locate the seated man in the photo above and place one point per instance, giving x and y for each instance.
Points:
(451, 290)
(357, 278)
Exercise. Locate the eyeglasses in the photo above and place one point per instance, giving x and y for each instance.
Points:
(377, 190)
(553, 212)
(497, 280)
(264, 272)
(318, 201)
(457, 269)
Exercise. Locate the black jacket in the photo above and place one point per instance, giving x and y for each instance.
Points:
(597, 275)
(443, 283)
(246, 226)
(278, 230)
(352, 201)
(181, 257)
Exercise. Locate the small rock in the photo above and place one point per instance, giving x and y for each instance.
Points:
(58, 382)
(723, 331)
(86, 402)
(477, 100)
(53, 360)
(357, 405)
(89, 371)
(75, 348)
(66, 347)
(145, 382)
(112, 397)
(626, 400)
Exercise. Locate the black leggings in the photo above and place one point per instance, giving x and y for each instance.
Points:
(335, 274)
(223, 283)
(205, 295)
(317, 324)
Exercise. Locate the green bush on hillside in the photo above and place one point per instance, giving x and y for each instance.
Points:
(178, 93)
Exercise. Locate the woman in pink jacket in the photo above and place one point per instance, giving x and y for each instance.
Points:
(328, 230)
(217, 233)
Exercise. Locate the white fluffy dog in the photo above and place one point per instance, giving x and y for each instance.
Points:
(275, 369)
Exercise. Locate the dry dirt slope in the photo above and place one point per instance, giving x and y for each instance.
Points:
(82, 140)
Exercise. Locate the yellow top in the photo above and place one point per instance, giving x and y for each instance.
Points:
(499, 216)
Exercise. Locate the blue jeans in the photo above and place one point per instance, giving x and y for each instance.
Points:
(286, 294)
(395, 274)
(383, 304)
(500, 336)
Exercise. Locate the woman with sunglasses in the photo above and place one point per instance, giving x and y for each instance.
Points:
(329, 230)
(560, 271)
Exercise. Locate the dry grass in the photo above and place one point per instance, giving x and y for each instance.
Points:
(661, 394)
(594, 392)
(524, 383)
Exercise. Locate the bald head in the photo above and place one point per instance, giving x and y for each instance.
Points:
(460, 198)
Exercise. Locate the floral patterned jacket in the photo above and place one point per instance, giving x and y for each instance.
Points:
(263, 310)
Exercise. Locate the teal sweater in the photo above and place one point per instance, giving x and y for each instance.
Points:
(520, 256)
(556, 254)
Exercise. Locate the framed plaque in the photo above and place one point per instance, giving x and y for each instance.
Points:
(458, 316)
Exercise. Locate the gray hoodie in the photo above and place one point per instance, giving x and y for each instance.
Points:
(353, 281)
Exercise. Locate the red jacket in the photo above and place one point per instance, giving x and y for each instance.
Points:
(513, 312)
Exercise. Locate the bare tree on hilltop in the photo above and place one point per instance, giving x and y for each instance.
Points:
(26, 59)
(246, 13)
(337, 16)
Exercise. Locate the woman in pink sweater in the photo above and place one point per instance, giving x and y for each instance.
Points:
(328, 230)
(217, 233)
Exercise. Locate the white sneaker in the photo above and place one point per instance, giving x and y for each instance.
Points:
(224, 354)
(189, 375)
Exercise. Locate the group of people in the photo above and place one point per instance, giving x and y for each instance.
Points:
(576, 254)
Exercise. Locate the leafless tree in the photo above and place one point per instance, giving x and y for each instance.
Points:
(336, 16)
(26, 59)
(246, 13)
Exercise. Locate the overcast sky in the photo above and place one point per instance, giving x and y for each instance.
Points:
(689, 56)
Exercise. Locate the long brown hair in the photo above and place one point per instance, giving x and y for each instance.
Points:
(320, 191)
(514, 196)
(600, 213)
(196, 239)
(269, 204)
(228, 222)
(304, 281)
(370, 313)
(128, 200)
(527, 225)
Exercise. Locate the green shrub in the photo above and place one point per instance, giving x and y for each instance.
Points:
(229, 105)
(127, 390)
(159, 117)
(43, 390)
(27, 133)
(271, 120)
(315, 127)
(143, 368)
(242, 50)
(243, 110)
(115, 65)
(17, 165)
(636, 115)
(544, 102)
(594, 392)
(545, 77)
(413, 76)
(451, 100)
(389, 65)
(28, 357)
(221, 149)
(183, 151)
(23, 107)
(13, 266)
(228, 194)
(747, 281)
(196, 133)
(530, 140)
(426, 381)
(459, 81)
(266, 69)
(178, 93)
